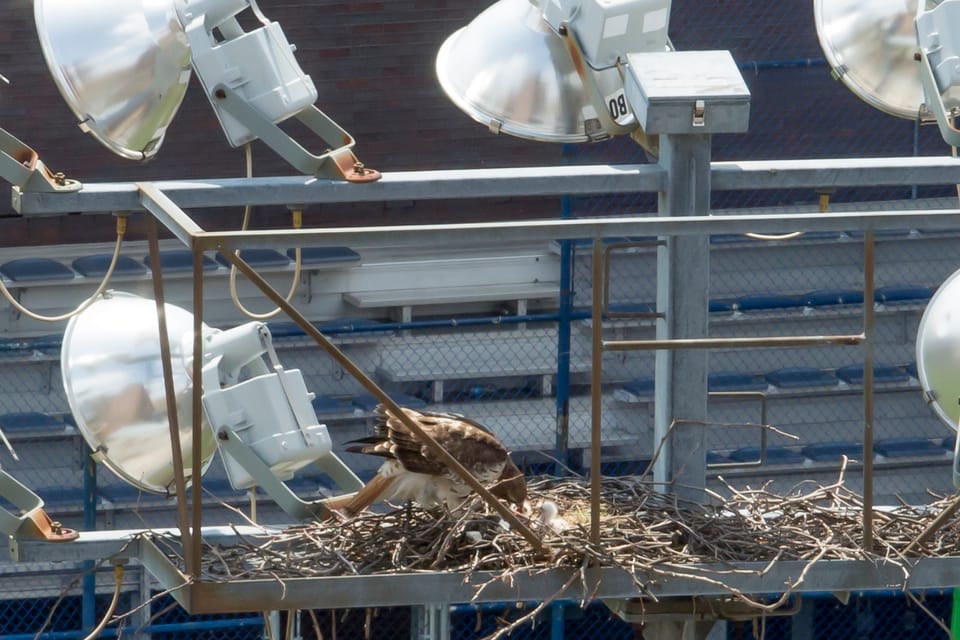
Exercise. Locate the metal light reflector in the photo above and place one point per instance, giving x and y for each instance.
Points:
(122, 67)
(510, 70)
(113, 379)
(938, 351)
(871, 47)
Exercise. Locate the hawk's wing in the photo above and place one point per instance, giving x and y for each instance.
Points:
(469, 442)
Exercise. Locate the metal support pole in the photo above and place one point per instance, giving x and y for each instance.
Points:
(563, 345)
(683, 278)
(596, 390)
(89, 599)
(431, 622)
(868, 321)
(180, 482)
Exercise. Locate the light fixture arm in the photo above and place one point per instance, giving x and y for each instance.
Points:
(338, 162)
(32, 522)
(21, 166)
(286, 499)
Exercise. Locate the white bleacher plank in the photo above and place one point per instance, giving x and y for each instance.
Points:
(452, 295)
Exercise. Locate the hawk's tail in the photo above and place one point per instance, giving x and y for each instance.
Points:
(368, 494)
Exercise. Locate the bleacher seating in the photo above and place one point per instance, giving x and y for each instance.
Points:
(325, 256)
(258, 258)
(96, 266)
(801, 378)
(882, 374)
(180, 260)
(23, 270)
(833, 451)
(907, 447)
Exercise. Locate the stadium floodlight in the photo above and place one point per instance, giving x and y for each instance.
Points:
(900, 56)
(257, 413)
(871, 47)
(938, 358)
(123, 68)
(938, 33)
(587, 70)
(551, 70)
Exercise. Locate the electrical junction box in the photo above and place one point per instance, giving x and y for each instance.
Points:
(687, 92)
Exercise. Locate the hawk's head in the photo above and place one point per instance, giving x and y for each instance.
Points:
(511, 486)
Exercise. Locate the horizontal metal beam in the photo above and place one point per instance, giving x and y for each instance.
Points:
(834, 172)
(400, 185)
(120, 543)
(236, 596)
(485, 233)
(734, 343)
(492, 183)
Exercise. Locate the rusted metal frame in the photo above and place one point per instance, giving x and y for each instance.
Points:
(435, 447)
(868, 323)
(179, 478)
(596, 388)
(607, 259)
(197, 411)
(845, 340)
(760, 395)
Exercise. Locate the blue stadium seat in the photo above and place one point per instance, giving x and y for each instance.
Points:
(882, 374)
(35, 269)
(258, 258)
(827, 297)
(831, 451)
(883, 233)
(728, 238)
(735, 381)
(631, 307)
(907, 447)
(348, 325)
(96, 266)
(180, 260)
(775, 455)
(902, 293)
(717, 457)
(720, 306)
(326, 405)
(800, 377)
(32, 421)
(639, 386)
(367, 402)
(766, 301)
(949, 443)
(325, 255)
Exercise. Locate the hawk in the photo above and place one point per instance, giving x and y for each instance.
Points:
(412, 472)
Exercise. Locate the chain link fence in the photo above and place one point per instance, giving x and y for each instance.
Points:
(506, 366)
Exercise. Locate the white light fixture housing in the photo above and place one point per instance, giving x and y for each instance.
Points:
(938, 34)
(258, 414)
(551, 70)
(938, 358)
(123, 67)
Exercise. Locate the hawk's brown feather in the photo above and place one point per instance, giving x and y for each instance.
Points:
(416, 473)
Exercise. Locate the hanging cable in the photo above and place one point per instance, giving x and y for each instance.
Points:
(118, 584)
(824, 203)
(121, 230)
(297, 263)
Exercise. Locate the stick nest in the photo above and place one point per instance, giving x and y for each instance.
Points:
(642, 531)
